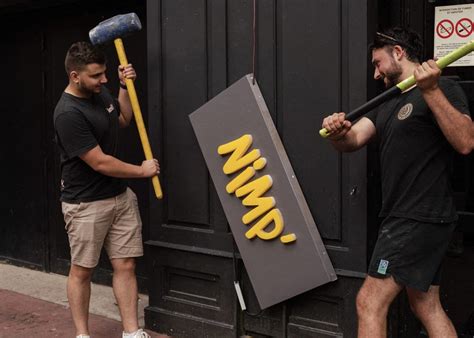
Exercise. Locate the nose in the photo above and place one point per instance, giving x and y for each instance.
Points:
(376, 74)
(104, 79)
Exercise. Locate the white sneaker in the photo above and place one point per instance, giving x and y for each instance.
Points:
(139, 334)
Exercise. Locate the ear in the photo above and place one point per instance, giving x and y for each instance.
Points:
(398, 52)
(74, 76)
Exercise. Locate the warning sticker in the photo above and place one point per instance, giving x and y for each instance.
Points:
(444, 29)
(453, 28)
(464, 27)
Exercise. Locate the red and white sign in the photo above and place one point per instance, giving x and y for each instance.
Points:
(464, 27)
(444, 29)
(453, 28)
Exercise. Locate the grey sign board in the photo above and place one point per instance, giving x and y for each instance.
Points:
(262, 199)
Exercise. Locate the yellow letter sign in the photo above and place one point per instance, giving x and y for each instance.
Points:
(253, 190)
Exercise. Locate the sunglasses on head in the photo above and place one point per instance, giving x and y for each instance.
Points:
(391, 39)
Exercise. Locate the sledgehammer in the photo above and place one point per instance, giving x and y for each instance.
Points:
(113, 29)
(403, 85)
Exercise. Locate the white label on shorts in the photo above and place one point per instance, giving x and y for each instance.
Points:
(383, 265)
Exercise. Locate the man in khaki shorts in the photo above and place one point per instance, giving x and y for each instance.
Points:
(99, 210)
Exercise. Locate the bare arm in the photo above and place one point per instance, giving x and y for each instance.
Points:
(126, 111)
(345, 137)
(456, 127)
(472, 136)
(112, 166)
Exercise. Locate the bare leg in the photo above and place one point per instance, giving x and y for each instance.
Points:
(78, 294)
(427, 307)
(126, 292)
(373, 301)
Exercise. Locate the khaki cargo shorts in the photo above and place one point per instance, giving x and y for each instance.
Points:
(113, 223)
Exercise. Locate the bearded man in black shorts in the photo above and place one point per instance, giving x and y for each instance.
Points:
(417, 134)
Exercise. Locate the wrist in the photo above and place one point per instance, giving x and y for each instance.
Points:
(430, 91)
(123, 86)
(141, 172)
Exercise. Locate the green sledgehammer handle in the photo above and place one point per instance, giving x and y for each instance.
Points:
(403, 85)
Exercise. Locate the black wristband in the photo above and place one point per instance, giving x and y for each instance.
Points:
(123, 86)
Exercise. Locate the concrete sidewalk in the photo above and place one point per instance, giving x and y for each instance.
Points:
(34, 304)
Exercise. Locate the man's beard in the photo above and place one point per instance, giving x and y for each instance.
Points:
(87, 90)
(392, 76)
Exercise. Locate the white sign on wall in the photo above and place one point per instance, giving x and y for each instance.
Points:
(453, 27)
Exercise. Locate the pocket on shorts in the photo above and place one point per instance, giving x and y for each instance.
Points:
(132, 198)
(134, 209)
(70, 210)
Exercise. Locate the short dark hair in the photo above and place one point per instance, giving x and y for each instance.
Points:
(82, 53)
(406, 38)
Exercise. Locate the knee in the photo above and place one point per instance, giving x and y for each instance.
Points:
(423, 309)
(363, 304)
(80, 273)
(124, 265)
(369, 305)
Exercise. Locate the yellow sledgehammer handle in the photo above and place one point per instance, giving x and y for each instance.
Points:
(138, 115)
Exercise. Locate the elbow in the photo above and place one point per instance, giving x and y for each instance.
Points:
(125, 118)
(124, 123)
(100, 166)
(464, 149)
(96, 159)
(464, 146)
(96, 166)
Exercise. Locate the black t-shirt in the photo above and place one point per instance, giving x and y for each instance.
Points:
(415, 156)
(81, 124)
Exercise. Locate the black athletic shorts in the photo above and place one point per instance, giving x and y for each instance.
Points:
(411, 252)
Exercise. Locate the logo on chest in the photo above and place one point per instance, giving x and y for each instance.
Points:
(110, 108)
(405, 111)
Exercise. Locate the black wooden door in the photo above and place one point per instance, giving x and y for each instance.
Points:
(35, 38)
(311, 60)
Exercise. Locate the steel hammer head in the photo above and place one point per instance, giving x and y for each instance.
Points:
(115, 27)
